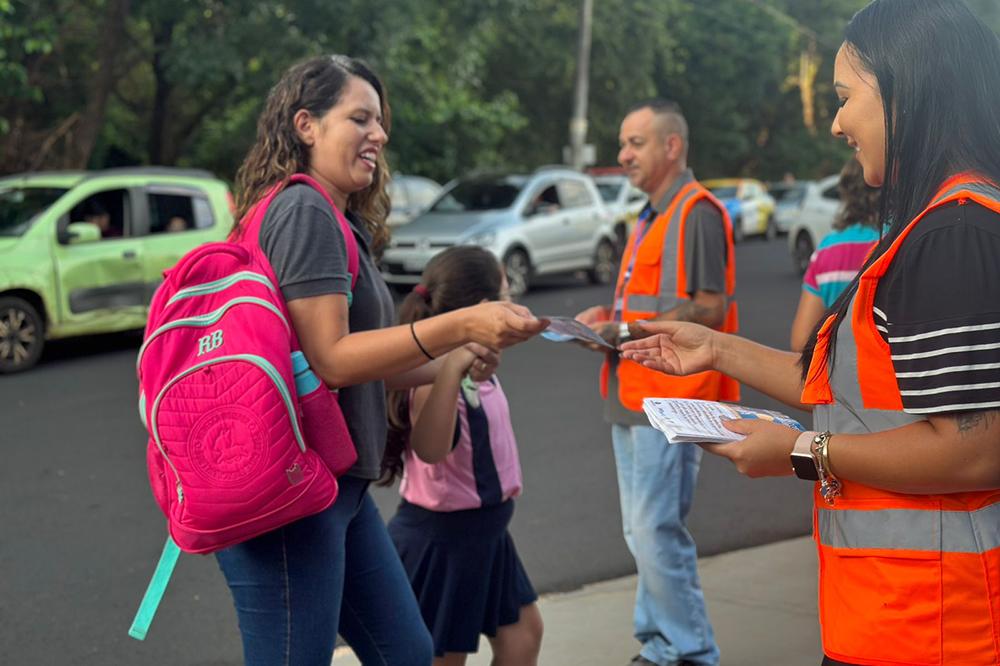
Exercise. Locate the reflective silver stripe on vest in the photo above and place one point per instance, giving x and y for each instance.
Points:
(912, 529)
(984, 189)
(640, 303)
(847, 413)
(668, 299)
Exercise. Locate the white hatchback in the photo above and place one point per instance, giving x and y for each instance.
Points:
(813, 221)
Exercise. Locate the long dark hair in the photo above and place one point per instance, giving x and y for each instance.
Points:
(456, 278)
(315, 85)
(938, 72)
(859, 200)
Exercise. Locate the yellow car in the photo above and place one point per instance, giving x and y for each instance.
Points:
(750, 207)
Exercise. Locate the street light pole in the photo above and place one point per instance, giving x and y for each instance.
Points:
(578, 123)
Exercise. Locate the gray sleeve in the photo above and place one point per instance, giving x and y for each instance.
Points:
(304, 244)
(705, 249)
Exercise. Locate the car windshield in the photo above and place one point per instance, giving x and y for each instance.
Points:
(19, 206)
(609, 190)
(480, 194)
(724, 192)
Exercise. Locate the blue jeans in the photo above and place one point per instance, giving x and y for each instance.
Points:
(656, 483)
(295, 588)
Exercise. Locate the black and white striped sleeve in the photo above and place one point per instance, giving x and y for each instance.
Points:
(939, 308)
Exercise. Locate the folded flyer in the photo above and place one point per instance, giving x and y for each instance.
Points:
(683, 420)
(564, 329)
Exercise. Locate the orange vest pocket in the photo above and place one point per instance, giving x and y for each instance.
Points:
(885, 607)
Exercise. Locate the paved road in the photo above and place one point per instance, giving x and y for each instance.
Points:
(79, 532)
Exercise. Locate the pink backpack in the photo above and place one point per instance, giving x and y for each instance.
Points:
(244, 438)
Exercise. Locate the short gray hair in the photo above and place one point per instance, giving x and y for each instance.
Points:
(668, 112)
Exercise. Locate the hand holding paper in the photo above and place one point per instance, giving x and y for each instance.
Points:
(700, 421)
(565, 329)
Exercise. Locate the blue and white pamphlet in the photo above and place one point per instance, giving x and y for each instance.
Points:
(685, 421)
(565, 329)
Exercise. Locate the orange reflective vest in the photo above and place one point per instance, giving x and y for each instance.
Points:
(903, 579)
(658, 283)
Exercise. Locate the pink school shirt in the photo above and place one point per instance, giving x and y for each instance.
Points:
(482, 469)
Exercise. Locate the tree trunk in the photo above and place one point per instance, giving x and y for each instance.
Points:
(163, 34)
(92, 119)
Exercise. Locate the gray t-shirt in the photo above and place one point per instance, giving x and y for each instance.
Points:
(705, 265)
(307, 251)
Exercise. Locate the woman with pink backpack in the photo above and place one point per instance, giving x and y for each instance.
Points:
(297, 587)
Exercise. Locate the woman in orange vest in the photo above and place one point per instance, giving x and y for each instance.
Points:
(903, 375)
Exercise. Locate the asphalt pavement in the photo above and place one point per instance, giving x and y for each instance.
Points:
(80, 533)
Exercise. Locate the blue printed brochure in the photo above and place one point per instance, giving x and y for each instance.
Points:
(684, 421)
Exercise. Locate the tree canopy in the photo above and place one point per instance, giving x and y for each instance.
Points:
(489, 84)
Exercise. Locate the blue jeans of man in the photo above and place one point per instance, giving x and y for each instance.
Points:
(656, 482)
(296, 587)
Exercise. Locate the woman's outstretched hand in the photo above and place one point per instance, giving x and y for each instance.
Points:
(673, 347)
(497, 324)
(766, 451)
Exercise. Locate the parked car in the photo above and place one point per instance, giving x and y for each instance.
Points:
(750, 207)
(788, 200)
(814, 220)
(547, 222)
(410, 196)
(82, 252)
(624, 201)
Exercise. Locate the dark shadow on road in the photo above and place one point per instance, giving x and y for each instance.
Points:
(68, 349)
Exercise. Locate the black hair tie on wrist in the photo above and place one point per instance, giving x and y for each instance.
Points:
(413, 332)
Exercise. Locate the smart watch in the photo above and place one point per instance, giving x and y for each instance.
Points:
(803, 461)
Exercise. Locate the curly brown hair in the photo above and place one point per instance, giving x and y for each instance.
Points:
(861, 201)
(315, 85)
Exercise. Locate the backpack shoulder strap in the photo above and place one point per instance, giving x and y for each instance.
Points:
(345, 226)
(255, 217)
(154, 593)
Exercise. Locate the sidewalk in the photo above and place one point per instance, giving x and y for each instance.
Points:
(762, 602)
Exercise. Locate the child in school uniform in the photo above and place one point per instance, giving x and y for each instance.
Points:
(454, 445)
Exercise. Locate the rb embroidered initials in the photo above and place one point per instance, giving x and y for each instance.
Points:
(211, 341)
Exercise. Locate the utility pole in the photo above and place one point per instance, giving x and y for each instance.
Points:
(578, 123)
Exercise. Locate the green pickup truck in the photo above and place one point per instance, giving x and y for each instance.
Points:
(82, 252)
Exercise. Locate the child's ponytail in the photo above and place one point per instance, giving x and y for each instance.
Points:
(415, 306)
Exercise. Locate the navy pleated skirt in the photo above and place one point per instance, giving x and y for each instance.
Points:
(464, 570)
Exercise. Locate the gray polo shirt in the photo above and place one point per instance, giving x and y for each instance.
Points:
(306, 248)
(705, 266)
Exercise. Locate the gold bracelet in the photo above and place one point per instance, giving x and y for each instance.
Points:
(829, 485)
(824, 451)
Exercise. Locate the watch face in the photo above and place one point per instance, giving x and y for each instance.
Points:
(805, 467)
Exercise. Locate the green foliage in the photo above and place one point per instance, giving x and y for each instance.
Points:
(472, 85)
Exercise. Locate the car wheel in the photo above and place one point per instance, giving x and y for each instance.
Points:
(603, 271)
(738, 230)
(22, 335)
(802, 252)
(517, 267)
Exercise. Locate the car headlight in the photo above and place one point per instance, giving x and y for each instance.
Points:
(482, 240)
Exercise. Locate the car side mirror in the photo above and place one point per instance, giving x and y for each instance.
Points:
(80, 232)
